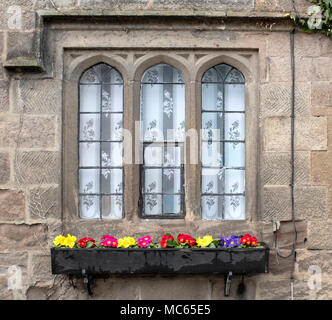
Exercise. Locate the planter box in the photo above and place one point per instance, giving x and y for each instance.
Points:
(97, 262)
(160, 261)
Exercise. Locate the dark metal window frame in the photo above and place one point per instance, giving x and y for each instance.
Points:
(223, 140)
(163, 144)
(100, 141)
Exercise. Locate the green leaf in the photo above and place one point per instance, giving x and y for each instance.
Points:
(89, 244)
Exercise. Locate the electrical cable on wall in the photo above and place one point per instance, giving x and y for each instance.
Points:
(293, 251)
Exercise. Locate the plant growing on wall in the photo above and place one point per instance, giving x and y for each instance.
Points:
(320, 18)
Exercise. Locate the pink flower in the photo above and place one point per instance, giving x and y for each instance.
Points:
(145, 239)
(108, 241)
(143, 244)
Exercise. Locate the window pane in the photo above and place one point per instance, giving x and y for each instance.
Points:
(89, 154)
(152, 204)
(163, 120)
(223, 144)
(234, 154)
(89, 180)
(101, 120)
(112, 207)
(212, 207)
(90, 127)
(234, 207)
(111, 181)
(212, 126)
(234, 97)
(89, 207)
(234, 126)
(89, 98)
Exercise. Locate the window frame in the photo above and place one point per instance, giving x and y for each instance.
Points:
(77, 60)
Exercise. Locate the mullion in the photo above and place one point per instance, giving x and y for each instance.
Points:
(100, 150)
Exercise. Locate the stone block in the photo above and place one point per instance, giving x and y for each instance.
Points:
(18, 259)
(28, 132)
(37, 96)
(4, 96)
(321, 95)
(174, 288)
(23, 44)
(42, 4)
(277, 168)
(310, 134)
(307, 45)
(44, 203)
(4, 168)
(311, 203)
(36, 167)
(319, 234)
(41, 267)
(276, 203)
(321, 168)
(281, 5)
(23, 237)
(12, 205)
(322, 69)
(279, 289)
(321, 258)
(276, 99)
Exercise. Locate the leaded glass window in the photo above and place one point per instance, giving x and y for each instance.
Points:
(100, 143)
(162, 136)
(223, 144)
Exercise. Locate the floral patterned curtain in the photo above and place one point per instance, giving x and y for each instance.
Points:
(223, 144)
(163, 122)
(100, 143)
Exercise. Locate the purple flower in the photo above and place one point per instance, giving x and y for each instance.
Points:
(221, 242)
(231, 241)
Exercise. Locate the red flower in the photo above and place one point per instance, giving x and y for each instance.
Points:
(184, 238)
(164, 239)
(253, 241)
(84, 241)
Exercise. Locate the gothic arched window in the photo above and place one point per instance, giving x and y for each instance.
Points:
(223, 144)
(100, 143)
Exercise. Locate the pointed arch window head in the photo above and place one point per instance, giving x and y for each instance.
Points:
(163, 123)
(223, 144)
(100, 143)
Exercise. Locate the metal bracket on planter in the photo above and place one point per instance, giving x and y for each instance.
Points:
(88, 279)
(228, 279)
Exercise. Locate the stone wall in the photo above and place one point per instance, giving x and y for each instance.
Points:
(31, 127)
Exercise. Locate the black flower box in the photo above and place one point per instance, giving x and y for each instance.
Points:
(119, 261)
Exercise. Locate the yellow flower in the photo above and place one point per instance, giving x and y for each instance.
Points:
(70, 241)
(204, 242)
(59, 240)
(126, 242)
(130, 240)
(120, 243)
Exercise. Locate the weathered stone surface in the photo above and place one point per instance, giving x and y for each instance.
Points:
(280, 5)
(22, 44)
(276, 99)
(12, 205)
(34, 167)
(310, 133)
(276, 203)
(321, 258)
(322, 69)
(216, 287)
(37, 96)
(4, 168)
(277, 168)
(321, 168)
(280, 69)
(311, 203)
(193, 288)
(319, 234)
(278, 265)
(23, 237)
(18, 259)
(4, 96)
(321, 95)
(279, 289)
(41, 267)
(44, 203)
(5, 293)
(42, 4)
(28, 132)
